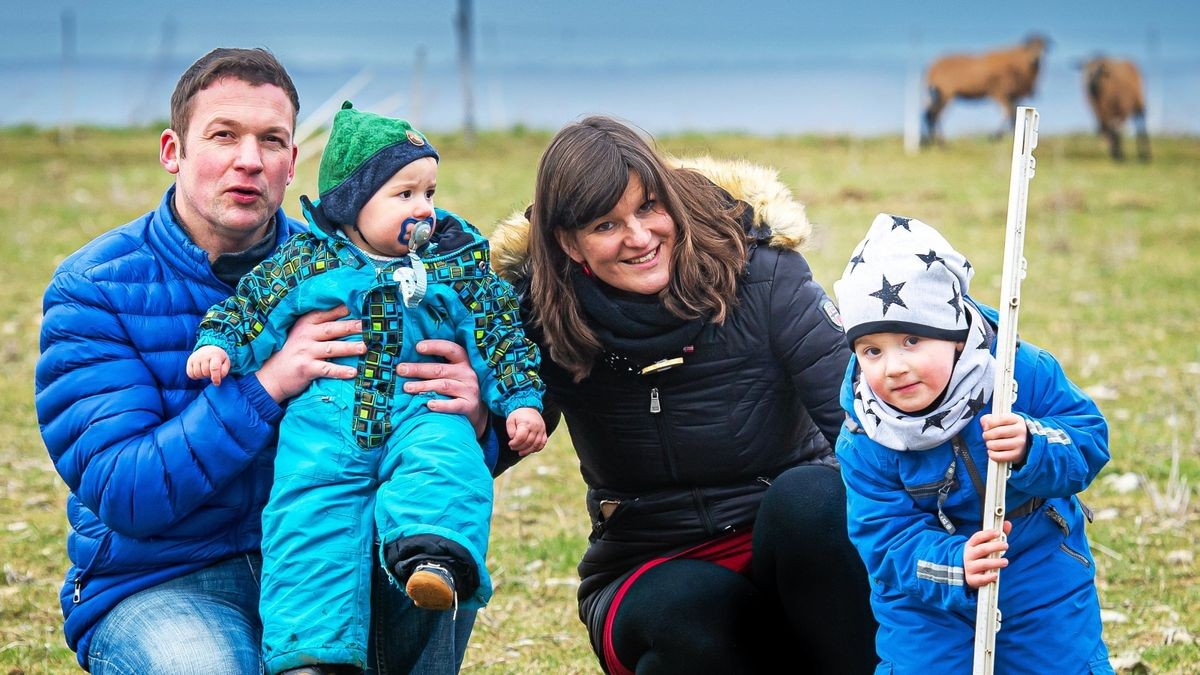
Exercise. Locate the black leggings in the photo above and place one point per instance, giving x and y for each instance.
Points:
(805, 605)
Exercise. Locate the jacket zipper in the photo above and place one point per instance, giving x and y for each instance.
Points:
(85, 574)
(668, 456)
(664, 437)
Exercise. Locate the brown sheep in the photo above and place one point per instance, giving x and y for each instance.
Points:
(1004, 75)
(1114, 90)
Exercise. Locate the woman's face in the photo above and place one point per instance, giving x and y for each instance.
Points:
(628, 248)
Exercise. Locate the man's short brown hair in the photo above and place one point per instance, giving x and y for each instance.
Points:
(255, 66)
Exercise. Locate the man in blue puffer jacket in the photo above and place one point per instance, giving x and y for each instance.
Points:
(168, 476)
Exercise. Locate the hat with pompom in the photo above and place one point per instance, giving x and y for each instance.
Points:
(904, 277)
(363, 152)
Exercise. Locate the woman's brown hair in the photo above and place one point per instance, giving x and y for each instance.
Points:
(581, 176)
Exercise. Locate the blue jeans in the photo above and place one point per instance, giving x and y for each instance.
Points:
(207, 622)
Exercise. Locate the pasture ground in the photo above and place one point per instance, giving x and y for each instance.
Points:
(1111, 290)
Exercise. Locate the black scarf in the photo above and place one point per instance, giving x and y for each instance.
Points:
(636, 327)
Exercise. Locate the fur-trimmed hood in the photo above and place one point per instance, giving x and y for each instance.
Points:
(775, 211)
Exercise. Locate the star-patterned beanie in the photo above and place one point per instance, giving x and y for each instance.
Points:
(363, 152)
(904, 277)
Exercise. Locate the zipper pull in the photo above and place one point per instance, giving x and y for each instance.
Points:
(78, 590)
(655, 406)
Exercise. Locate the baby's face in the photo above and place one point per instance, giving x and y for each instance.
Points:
(907, 371)
(388, 220)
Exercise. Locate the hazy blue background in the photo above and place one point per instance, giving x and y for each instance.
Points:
(766, 67)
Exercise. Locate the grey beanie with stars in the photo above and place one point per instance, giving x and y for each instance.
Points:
(904, 277)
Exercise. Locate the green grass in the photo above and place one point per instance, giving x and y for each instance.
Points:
(1111, 290)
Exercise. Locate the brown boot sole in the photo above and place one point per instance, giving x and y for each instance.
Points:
(429, 591)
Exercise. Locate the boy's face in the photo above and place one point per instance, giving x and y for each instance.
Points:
(387, 221)
(908, 372)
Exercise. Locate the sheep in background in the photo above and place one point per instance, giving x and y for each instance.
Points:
(1114, 91)
(1005, 75)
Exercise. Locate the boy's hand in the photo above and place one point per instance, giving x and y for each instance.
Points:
(1006, 436)
(526, 431)
(979, 569)
(208, 361)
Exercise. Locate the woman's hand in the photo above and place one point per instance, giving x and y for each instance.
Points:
(312, 342)
(455, 378)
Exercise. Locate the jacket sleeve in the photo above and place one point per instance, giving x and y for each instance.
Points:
(808, 341)
(252, 324)
(505, 360)
(1068, 434)
(104, 419)
(551, 413)
(904, 548)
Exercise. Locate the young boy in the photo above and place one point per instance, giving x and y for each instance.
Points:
(914, 453)
(361, 458)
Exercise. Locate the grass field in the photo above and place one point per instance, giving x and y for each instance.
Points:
(1111, 290)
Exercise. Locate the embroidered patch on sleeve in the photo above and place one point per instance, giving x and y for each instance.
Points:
(832, 314)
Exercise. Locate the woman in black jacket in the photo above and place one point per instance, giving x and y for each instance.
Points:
(697, 364)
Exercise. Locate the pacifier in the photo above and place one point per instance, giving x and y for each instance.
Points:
(422, 230)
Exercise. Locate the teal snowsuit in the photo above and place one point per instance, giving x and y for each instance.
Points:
(359, 458)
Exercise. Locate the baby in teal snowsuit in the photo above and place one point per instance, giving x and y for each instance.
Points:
(360, 457)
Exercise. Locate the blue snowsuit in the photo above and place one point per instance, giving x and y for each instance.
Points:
(361, 456)
(1048, 603)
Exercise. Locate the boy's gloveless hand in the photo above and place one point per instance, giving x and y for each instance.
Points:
(209, 361)
(526, 431)
(978, 568)
(1007, 437)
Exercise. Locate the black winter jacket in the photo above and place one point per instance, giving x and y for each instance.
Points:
(677, 457)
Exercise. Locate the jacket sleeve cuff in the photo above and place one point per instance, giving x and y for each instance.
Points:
(263, 404)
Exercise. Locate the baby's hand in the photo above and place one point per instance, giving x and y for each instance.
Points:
(980, 570)
(1006, 437)
(526, 431)
(208, 361)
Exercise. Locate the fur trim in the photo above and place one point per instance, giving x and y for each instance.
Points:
(759, 186)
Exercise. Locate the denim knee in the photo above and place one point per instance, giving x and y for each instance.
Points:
(204, 622)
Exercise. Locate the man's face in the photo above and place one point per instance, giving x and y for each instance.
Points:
(233, 167)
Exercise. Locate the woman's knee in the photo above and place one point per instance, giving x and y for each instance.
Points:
(805, 500)
(685, 613)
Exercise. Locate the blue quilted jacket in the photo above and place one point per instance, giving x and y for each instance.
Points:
(167, 475)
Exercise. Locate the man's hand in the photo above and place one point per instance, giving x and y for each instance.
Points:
(313, 341)
(209, 361)
(980, 570)
(1006, 436)
(455, 378)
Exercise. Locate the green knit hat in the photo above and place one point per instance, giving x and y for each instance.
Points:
(364, 151)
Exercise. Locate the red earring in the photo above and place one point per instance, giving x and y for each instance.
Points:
(587, 270)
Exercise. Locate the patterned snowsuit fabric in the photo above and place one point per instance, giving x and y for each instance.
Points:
(360, 456)
(1048, 601)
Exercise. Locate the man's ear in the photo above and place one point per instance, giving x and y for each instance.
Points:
(567, 241)
(292, 169)
(170, 149)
